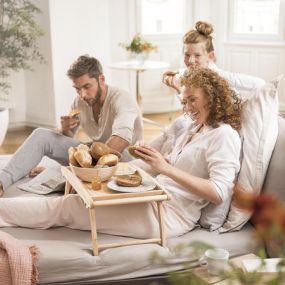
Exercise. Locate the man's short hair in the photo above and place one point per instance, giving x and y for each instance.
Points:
(85, 64)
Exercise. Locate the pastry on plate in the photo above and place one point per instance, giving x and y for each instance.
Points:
(131, 180)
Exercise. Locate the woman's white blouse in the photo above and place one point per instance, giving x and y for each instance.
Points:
(211, 154)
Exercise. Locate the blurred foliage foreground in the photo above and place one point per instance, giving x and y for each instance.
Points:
(268, 218)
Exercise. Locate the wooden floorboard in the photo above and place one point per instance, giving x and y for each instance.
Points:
(16, 137)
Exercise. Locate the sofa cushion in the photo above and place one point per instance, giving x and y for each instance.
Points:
(259, 133)
(274, 181)
(66, 254)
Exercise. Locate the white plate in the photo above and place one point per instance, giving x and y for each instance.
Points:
(124, 169)
(145, 186)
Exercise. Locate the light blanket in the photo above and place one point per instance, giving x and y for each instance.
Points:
(17, 261)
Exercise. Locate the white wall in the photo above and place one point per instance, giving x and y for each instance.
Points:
(120, 31)
(77, 27)
(40, 99)
(17, 100)
(32, 101)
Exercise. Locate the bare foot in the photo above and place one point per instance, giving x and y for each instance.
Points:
(36, 170)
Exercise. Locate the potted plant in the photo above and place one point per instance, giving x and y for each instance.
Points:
(139, 48)
(18, 47)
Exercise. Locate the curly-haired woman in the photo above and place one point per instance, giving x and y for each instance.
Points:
(200, 169)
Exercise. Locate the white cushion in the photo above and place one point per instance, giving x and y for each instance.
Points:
(213, 216)
(259, 133)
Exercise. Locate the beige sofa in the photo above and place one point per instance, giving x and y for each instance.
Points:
(66, 254)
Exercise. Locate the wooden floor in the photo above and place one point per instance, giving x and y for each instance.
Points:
(15, 137)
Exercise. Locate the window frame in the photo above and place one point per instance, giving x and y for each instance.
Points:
(138, 8)
(254, 36)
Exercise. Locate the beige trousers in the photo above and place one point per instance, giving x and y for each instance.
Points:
(133, 220)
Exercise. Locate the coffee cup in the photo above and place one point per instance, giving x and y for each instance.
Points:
(215, 260)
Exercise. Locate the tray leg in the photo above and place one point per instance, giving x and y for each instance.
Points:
(93, 231)
(161, 223)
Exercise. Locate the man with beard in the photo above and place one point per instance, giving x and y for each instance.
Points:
(105, 113)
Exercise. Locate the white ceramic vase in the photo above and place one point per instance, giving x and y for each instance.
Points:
(139, 58)
(4, 120)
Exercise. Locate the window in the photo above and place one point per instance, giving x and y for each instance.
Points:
(161, 16)
(257, 19)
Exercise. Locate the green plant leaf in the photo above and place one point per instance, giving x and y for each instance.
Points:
(19, 33)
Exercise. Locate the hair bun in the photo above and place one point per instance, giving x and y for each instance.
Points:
(204, 28)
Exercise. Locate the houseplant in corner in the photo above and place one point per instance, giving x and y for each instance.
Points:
(18, 47)
(139, 48)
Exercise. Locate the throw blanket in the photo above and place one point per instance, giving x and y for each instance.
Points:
(17, 261)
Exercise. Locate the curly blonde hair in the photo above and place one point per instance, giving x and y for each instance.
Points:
(223, 103)
(201, 34)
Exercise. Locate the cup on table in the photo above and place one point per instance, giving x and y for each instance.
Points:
(215, 260)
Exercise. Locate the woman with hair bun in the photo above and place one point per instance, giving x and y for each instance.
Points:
(198, 51)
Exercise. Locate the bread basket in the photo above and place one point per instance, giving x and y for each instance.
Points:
(88, 174)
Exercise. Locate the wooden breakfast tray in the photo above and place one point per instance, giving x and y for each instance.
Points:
(107, 197)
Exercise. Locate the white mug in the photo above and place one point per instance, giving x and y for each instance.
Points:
(216, 260)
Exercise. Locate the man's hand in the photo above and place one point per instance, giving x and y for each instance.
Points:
(117, 143)
(36, 170)
(69, 122)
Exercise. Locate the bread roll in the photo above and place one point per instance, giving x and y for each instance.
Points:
(132, 180)
(83, 147)
(83, 157)
(132, 149)
(108, 159)
(74, 112)
(99, 149)
(118, 154)
(71, 157)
